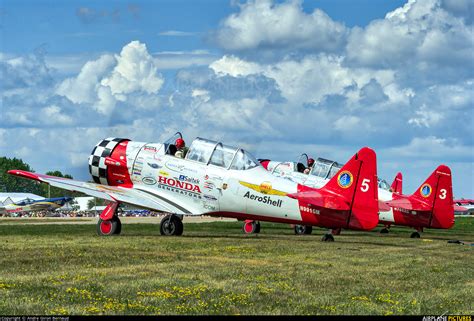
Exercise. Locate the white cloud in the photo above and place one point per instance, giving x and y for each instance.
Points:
(418, 34)
(263, 24)
(53, 115)
(108, 80)
(425, 117)
(176, 33)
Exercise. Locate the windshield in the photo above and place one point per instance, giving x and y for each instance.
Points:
(222, 156)
(383, 184)
(170, 141)
(201, 150)
(325, 168)
(243, 161)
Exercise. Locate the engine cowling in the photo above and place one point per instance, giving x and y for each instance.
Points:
(108, 162)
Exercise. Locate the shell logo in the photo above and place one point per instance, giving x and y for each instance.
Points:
(265, 187)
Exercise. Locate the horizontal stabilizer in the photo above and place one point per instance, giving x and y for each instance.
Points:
(410, 204)
(321, 199)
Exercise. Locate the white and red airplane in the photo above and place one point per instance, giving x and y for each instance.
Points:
(430, 206)
(219, 180)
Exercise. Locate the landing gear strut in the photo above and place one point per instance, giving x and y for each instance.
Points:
(171, 225)
(251, 227)
(385, 230)
(109, 222)
(303, 229)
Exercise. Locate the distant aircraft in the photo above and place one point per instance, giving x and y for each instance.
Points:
(219, 180)
(31, 205)
(430, 206)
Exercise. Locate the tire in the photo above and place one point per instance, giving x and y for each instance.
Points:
(171, 225)
(257, 227)
(250, 227)
(109, 227)
(327, 238)
(384, 231)
(303, 229)
(415, 235)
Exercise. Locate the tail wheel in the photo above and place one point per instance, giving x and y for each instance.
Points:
(109, 227)
(251, 227)
(303, 229)
(327, 238)
(384, 230)
(415, 235)
(171, 225)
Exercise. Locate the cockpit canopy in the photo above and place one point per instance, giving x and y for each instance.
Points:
(24, 202)
(325, 168)
(214, 153)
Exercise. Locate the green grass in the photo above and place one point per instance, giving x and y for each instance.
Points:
(215, 269)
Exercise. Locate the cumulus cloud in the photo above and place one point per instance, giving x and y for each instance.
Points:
(421, 34)
(111, 79)
(264, 24)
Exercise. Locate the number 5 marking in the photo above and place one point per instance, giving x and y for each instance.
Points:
(442, 195)
(365, 185)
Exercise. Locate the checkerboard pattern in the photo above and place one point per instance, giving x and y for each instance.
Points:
(97, 166)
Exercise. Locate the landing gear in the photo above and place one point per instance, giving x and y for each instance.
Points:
(171, 225)
(303, 229)
(415, 235)
(251, 227)
(385, 230)
(109, 227)
(328, 238)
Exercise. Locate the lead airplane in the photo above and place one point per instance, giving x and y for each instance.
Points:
(430, 206)
(219, 180)
(31, 205)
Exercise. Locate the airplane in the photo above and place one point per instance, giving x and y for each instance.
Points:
(430, 206)
(222, 181)
(30, 205)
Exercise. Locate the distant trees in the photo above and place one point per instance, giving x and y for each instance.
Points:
(14, 184)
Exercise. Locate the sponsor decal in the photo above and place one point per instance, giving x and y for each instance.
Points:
(149, 180)
(206, 177)
(209, 185)
(119, 181)
(345, 179)
(264, 188)
(119, 175)
(224, 186)
(210, 197)
(150, 149)
(109, 161)
(179, 167)
(263, 199)
(164, 173)
(177, 186)
(209, 207)
(154, 165)
(425, 190)
(188, 179)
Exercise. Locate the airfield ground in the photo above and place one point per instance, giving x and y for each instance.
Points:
(213, 268)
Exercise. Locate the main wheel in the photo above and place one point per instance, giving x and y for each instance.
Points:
(384, 231)
(327, 238)
(250, 227)
(415, 235)
(171, 225)
(303, 229)
(109, 227)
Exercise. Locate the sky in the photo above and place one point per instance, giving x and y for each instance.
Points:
(278, 78)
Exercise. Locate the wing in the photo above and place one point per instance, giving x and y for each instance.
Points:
(410, 204)
(322, 199)
(131, 196)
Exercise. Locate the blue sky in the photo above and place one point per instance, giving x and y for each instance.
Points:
(277, 77)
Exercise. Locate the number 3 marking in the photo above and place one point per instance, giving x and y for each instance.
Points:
(442, 195)
(365, 185)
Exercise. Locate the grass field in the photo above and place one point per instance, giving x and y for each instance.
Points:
(215, 269)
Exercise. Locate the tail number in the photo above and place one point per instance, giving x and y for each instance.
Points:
(442, 194)
(365, 185)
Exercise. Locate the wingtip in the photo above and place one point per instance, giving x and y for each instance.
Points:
(25, 174)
